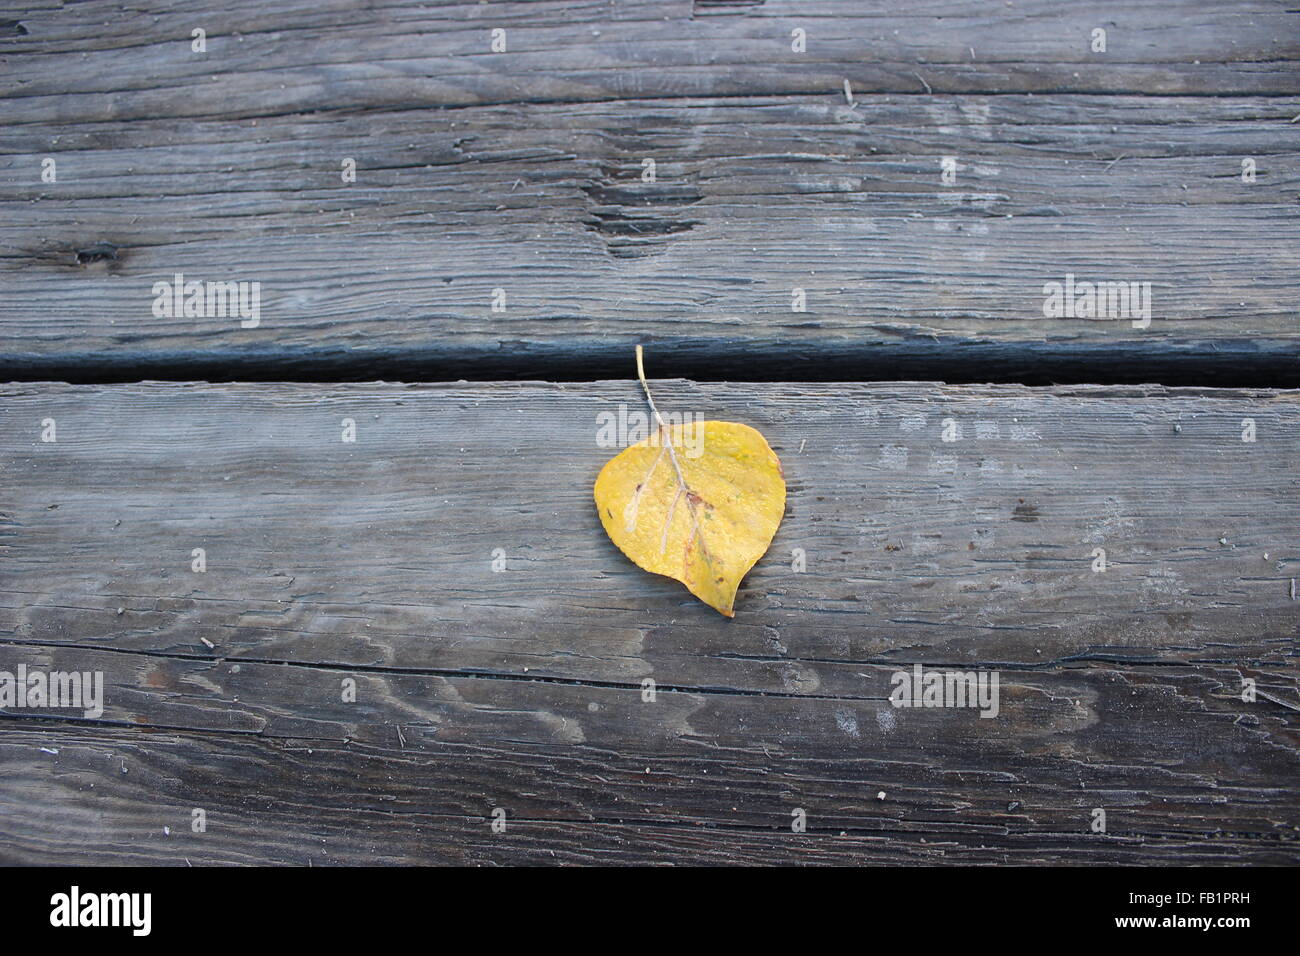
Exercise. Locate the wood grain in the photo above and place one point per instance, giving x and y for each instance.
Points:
(521, 171)
(523, 689)
(296, 57)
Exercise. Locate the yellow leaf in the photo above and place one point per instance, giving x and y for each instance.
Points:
(702, 514)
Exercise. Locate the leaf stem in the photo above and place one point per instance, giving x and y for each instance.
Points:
(640, 373)
(682, 487)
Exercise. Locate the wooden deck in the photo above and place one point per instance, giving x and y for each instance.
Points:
(396, 642)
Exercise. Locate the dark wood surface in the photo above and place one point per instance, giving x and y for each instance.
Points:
(522, 171)
(522, 689)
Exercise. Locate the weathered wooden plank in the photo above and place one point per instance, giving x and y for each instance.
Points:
(523, 689)
(591, 774)
(102, 62)
(396, 273)
(320, 550)
(522, 171)
(250, 830)
(1184, 770)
